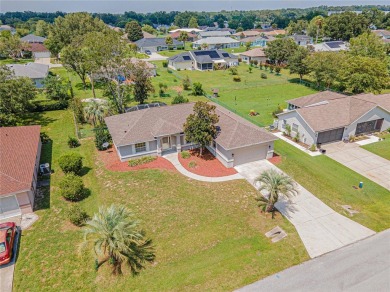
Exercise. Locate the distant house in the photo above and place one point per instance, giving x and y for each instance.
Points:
(256, 54)
(7, 28)
(214, 33)
(202, 60)
(157, 44)
(39, 52)
(191, 37)
(332, 46)
(147, 35)
(257, 41)
(36, 72)
(19, 156)
(383, 34)
(270, 31)
(217, 43)
(301, 40)
(149, 66)
(33, 39)
(246, 34)
(191, 30)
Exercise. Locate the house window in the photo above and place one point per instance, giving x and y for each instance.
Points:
(140, 147)
(295, 127)
(284, 124)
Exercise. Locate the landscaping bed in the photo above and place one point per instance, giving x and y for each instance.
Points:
(205, 165)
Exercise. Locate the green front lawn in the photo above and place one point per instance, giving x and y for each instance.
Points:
(18, 61)
(240, 49)
(208, 236)
(381, 148)
(334, 184)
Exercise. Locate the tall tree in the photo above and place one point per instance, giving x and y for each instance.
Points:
(280, 50)
(200, 127)
(367, 45)
(193, 23)
(42, 28)
(345, 26)
(95, 112)
(56, 88)
(297, 64)
(134, 31)
(374, 16)
(11, 46)
(169, 40)
(315, 27)
(149, 29)
(142, 84)
(298, 27)
(117, 237)
(183, 37)
(74, 59)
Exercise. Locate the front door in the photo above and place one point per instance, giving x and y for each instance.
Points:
(166, 143)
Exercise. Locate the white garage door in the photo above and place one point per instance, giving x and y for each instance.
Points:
(250, 154)
(9, 207)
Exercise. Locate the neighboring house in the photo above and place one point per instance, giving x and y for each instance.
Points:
(383, 34)
(257, 41)
(20, 151)
(326, 116)
(149, 66)
(272, 32)
(202, 60)
(5, 27)
(159, 130)
(36, 72)
(157, 44)
(256, 54)
(332, 46)
(217, 43)
(246, 34)
(147, 35)
(191, 30)
(33, 39)
(191, 37)
(214, 33)
(301, 39)
(39, 52)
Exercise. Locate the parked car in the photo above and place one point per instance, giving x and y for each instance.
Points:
(147, 52)
(7, 237)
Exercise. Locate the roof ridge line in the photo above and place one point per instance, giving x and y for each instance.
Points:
(2, 173)
(140, 116)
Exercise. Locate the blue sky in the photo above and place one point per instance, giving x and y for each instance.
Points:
(115, 6)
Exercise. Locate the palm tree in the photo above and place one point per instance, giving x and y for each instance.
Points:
(318, 21)
(116, 236)
(274, 183)
(183, 38)
(95, 112)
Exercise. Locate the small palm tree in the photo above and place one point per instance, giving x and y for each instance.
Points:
(275, 184)
(95, 112)
(116, 236)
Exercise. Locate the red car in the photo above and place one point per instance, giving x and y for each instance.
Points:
(7, 238)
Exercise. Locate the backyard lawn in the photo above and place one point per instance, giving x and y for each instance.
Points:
(334, 184)
(381, 148)
(12, 61)
(207, 236)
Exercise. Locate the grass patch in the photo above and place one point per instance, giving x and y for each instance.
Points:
(18, 61)
(334, 184)
(142, 160)
(380, 148)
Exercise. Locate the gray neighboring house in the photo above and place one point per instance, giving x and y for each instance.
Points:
(326, 116)
(33, 39)
(157, 44)
(202, 60)
(332, 46)
(35, 71)
(214, 33)
(5, 27)
(301, 39)
(217, 43)
(159, 130)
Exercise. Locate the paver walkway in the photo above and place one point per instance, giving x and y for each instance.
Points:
(173, 158)
(364, 162)
(319, 226)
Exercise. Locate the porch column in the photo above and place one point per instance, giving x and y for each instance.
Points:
(178, 143)
(159, 150)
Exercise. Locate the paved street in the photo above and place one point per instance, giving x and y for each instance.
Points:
(321, 228)
(364, 162)
(362, 266)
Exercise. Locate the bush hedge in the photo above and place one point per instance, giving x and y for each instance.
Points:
(71, 163)
(185, 154)
(49, 105)
(72, 187)
(77, 216)
(73, 142)
(142, 160)
(179, 99)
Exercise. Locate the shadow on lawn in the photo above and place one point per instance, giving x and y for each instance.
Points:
(33, 118)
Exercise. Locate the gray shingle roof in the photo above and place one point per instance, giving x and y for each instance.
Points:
(30, 38)
(216, 40)
(204, 58)
(145, 125)
(30, 70)
(215, 33)
(315, 98)
(155, 42)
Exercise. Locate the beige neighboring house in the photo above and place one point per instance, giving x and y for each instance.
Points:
(256, 54)
(327, 116)
(246, 34)
(159, 130)
(20, 151)
(383, 34)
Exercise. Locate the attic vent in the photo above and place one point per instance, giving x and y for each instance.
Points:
(318, 103)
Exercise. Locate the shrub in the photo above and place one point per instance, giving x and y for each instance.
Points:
(239, 60)
(73, 142)
(297, 137)
(141, 160)
(78, 110)
(236, 78)
(169, 71)
(352, 138)
(263, 76)
(185, 154)
(165, 64)
(313, 148)
(388, 130)
(187, 83)
(72, 187)
(278, 69)
(250, 69)
(192, 164)
(233, 71)
(71, 163)
(179, 99)
(101, 136)
(277, 111)
(44, 138)
(255, 62)
(77, 216)
(271, 68)
(197, 89)
(288, 130)
(49, 105)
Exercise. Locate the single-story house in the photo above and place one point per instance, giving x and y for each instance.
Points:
(5, 27)
(257, 41)
(157, 44)
(382, 33)
(189, 30)
(159, 130)
(33, 39)
(326, 116)
(332, 46)
(301, 40)
(256, 54)
(202, 60)
(35, 71)
(217, 43)
(190, 36)
(214, 33)
(246, 34)
(147, 35)
(39, 52)
(19, 165)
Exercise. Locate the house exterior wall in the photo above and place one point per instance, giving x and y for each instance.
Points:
(25, 201)
(307, 135)
(45, 61)
(374, 114)
(252, 153)
(247, 59)
(218, 46)
(181, 65)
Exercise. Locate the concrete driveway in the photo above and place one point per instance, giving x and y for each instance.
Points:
(7, 271)
(364, 162)
(155, 57)
(321, 228)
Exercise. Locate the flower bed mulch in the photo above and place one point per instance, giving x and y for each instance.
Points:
(111, 161)
(276, 159)
(206, 165)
